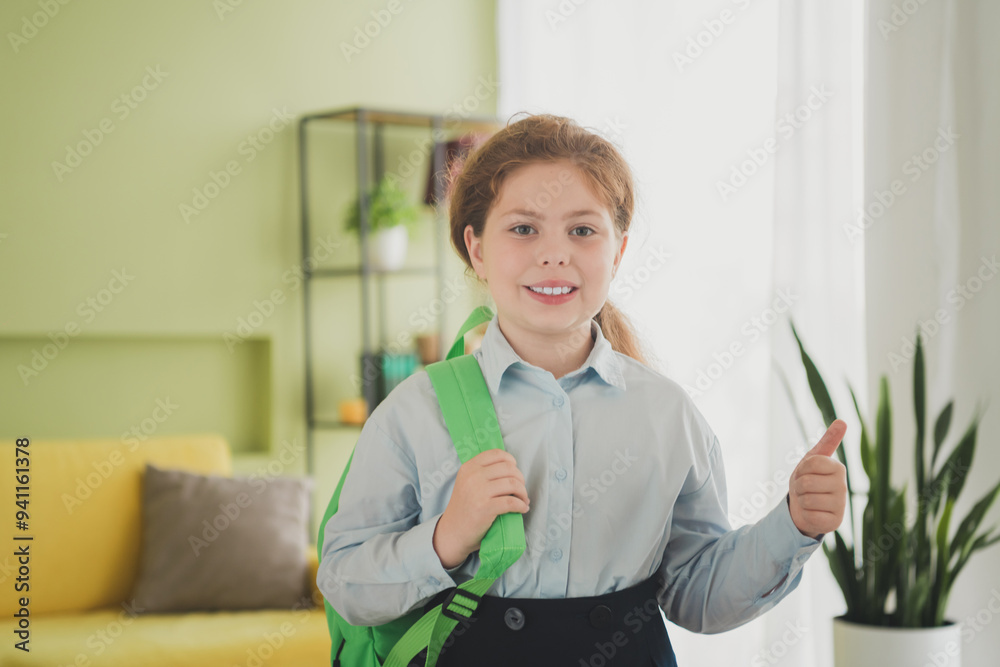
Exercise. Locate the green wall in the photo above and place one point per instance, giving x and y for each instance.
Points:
(97, 245)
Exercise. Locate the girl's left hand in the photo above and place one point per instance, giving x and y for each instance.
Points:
(817, 489)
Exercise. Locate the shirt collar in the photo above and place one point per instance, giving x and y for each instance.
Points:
(498, 356)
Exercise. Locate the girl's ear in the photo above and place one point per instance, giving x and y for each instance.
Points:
(474, 246)
(621, 252)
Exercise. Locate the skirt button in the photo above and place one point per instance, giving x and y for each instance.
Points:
(600, 616)
(514, 618)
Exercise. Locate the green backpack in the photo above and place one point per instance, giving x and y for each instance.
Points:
(465, 402)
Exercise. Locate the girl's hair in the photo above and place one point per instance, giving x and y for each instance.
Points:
(546, 138)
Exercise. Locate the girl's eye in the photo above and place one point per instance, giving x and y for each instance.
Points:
(589, 230)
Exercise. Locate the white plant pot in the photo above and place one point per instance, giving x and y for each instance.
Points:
(387, 248)
(857, 645)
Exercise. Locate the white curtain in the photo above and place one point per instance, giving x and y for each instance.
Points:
(933, 126)
(741, 120)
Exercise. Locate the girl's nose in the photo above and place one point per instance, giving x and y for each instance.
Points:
(553, 252)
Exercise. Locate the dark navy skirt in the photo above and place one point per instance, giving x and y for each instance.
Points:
(618, 629)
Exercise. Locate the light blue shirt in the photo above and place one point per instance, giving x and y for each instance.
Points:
(625, 477)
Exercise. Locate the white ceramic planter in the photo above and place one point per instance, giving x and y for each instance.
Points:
(387, 248)
(857, 645)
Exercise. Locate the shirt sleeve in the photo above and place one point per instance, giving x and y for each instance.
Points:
(378, 561)
(716, 578)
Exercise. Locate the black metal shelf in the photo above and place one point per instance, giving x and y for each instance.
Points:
(372, 121)
(357, 271)
(331, 425)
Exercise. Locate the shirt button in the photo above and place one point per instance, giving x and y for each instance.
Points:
(601, 616)
(435, 581)
(514, 618)
(557, 401)
(556, 554)
(561, 474)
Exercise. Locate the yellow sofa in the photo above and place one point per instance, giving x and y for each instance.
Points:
(84, 516)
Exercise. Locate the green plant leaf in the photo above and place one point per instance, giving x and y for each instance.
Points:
(981, 542)
(816, 384)
(919, 594)
(918, 410)
(867, 456)
(892, 540)
(825, 404)
(963, 541)
(388, 206)
(943, 557)
(960, 461)
(941, 430)
(881, 491)
(844, 576)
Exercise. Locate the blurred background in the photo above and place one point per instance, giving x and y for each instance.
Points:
(829, 164)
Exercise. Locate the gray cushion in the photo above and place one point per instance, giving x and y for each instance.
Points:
(214, 543)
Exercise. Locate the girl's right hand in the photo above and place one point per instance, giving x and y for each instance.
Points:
(486, 486)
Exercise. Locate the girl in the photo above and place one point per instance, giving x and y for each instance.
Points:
(618, 476)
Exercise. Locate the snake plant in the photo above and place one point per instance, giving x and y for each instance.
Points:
(901, 568)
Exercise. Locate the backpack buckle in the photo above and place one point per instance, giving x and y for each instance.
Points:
(450, 598)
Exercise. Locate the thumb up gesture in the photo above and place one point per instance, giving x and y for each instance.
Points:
(817, 489)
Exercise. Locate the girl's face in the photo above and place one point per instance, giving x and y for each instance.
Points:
(547, 228)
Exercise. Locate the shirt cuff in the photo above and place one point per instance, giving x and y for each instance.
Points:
(789, 548)
(425, 565)
(784, 536)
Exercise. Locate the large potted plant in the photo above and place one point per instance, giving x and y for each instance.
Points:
(391, 216)
(896, 574)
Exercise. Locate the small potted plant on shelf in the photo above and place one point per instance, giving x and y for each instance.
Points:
(390, 218)
(896, 574)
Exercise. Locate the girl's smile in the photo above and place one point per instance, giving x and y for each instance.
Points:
(552, 291)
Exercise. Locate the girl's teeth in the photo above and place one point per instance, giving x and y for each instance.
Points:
(551, 290)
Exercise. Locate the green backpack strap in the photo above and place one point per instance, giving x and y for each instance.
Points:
(472, 423)
(478, 316)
